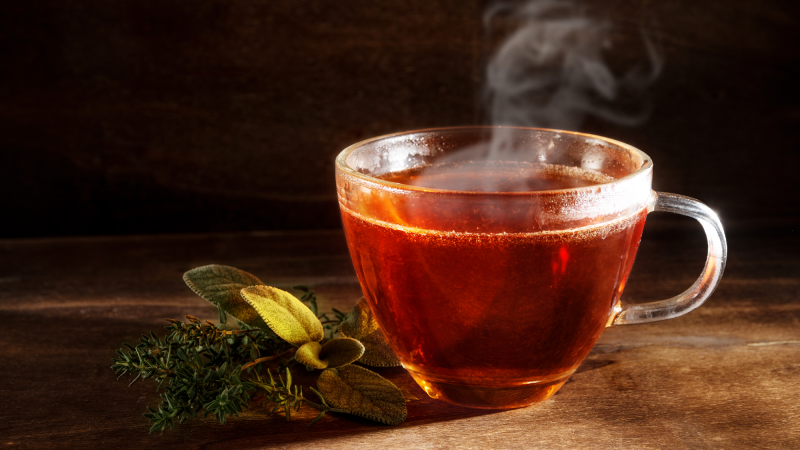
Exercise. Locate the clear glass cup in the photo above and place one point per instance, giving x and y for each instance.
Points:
(494, 257)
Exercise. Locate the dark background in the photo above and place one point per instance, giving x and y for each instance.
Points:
(140, 116)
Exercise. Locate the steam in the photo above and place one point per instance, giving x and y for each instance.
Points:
(551, 69)
(552, 72)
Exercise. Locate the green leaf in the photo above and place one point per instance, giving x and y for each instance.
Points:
(361, 325)
(223, 318)
(363, 393)
(287, 316)
(308, 354)
(336, 352)
(221, 285)
(341, 351)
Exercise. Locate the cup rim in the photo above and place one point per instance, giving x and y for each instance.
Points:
(341, 162)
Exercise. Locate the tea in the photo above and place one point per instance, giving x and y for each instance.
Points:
(443, 297)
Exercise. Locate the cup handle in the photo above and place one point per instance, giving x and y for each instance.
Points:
(709, 278)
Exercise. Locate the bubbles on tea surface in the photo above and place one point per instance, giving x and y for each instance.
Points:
(473, 235)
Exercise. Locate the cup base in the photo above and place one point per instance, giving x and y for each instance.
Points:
(488, 397)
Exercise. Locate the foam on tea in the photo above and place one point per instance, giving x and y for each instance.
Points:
(443, 296)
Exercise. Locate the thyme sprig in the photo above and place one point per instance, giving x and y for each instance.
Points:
(288, 397)
(200, 364)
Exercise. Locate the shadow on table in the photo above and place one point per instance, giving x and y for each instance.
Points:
(422, 410)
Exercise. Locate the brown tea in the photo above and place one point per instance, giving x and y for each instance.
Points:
(477, 315)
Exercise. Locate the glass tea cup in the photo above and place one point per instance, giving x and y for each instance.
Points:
(494, 257)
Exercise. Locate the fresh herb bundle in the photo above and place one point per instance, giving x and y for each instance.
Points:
(216, 369)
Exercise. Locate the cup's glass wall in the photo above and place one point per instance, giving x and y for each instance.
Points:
(491, 282)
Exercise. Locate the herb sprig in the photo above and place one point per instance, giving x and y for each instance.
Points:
(216, 369)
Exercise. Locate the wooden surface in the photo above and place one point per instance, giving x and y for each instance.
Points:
(724, 376)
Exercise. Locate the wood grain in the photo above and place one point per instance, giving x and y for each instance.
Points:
(724, 376)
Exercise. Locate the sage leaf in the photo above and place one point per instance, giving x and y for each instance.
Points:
(221, 285)
(287, 316)
(361, 325)
(341, 351)
(362, 392)
(308, 354)
(334, 353)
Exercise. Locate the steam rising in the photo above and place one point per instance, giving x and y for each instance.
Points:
(551, 71)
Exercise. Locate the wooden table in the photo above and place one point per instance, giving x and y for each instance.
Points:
(724, 376)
